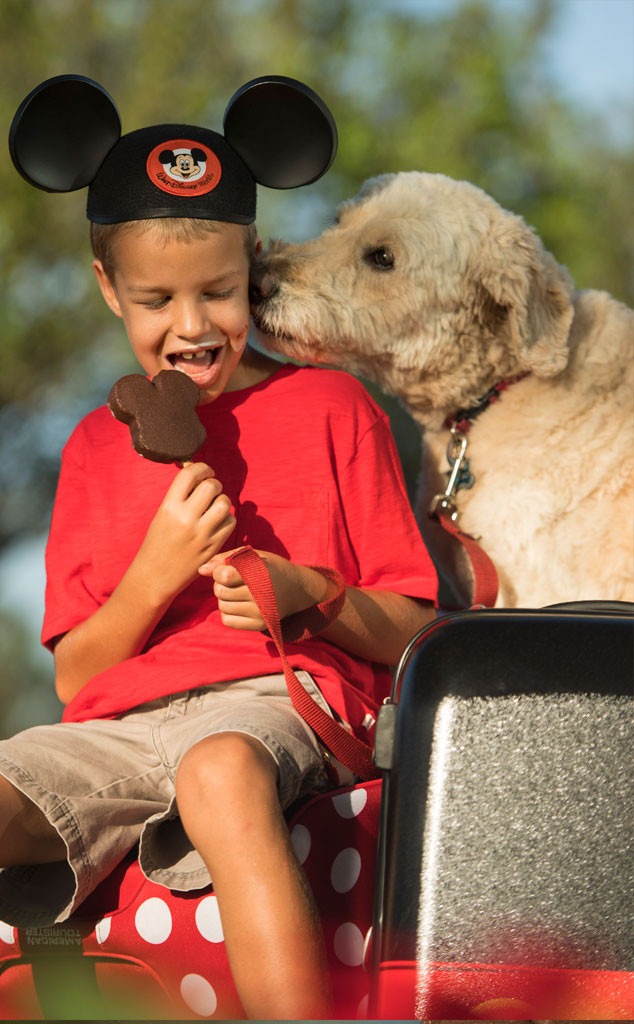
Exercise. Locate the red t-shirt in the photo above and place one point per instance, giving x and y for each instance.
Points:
(311, 468)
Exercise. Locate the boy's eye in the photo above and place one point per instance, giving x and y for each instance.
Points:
(212, 296)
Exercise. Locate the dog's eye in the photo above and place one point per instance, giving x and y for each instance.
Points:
(381, 258)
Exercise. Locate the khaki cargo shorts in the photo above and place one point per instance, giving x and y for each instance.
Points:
(107, 784)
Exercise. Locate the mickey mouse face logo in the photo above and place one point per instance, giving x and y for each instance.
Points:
(186, 164)
(184, 168)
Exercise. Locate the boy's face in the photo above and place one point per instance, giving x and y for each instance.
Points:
(185, 305)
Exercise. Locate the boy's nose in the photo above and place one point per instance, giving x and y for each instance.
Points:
(191, 322)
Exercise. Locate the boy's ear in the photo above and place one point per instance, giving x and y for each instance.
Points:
(107, 288)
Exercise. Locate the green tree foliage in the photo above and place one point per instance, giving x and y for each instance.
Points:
(26, 693)
(458, 88)
(462, 92)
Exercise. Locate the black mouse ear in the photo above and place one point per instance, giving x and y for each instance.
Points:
(283, 131)
(62, 132)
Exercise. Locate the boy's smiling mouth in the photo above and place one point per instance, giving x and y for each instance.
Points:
(195, 361)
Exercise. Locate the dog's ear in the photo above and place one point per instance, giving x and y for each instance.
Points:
(533, 291)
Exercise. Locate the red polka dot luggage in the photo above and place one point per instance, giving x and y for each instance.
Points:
(505, 873)
(137, 950)
(502, 876)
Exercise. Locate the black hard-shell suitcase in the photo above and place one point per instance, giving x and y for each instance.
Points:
(505, 861)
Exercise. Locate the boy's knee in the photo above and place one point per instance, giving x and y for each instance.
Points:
(224, 766)
(26, 836)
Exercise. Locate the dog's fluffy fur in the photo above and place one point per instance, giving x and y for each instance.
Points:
(428, 287)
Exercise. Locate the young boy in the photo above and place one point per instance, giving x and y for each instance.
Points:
(179, 731)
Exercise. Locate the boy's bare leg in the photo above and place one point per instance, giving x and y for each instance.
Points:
(26, 836)
(226, 790)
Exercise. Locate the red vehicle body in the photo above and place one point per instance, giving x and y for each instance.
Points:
(486, 875)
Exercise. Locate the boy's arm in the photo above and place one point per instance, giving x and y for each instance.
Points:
(378, 624)
(192, 523)
(373, 624)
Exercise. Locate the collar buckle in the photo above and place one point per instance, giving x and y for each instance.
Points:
(460, 476)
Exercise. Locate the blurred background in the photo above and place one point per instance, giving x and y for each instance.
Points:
(532, 100)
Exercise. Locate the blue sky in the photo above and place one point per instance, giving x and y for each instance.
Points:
(590, 54)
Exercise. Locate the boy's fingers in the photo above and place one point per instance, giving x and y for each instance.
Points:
(194, 468)
(222, 574)
(227, 576)
(220, 561)
(210, 568)
(241, 622)
(187, 480)
(195, 471)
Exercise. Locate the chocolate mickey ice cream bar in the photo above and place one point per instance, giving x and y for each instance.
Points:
(160, 413)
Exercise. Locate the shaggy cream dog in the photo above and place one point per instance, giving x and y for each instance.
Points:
(428, 287)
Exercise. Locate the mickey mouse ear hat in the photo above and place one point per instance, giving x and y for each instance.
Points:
(66, 134)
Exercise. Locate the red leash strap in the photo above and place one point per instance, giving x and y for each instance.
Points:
(356, 755)
(485, 577)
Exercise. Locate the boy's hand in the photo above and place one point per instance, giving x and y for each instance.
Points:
(375, 625)
(296, 588)
(190, 526)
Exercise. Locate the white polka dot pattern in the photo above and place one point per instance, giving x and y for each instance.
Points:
(348, 944)
(102, 929)
(153, 921)
(350, 804)
(345, 870)
(208, 920)
(199, 995)
(302, 842)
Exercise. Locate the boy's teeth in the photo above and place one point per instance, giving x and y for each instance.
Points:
(201, 355)
(194, 360)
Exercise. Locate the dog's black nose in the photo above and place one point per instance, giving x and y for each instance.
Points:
(262, 285)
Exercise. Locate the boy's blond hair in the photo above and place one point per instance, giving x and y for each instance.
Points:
(169, 229)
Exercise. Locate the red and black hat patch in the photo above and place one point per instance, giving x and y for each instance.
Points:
(182, 167)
